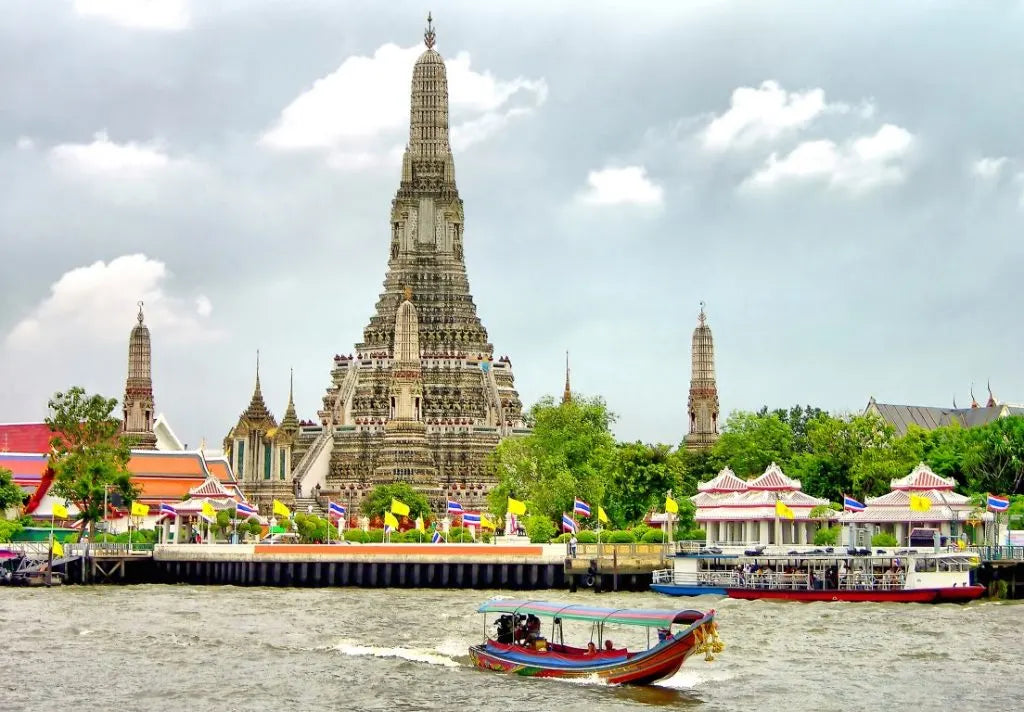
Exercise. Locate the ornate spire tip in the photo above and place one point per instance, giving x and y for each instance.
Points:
(140, 311)
(428, 35)
(408, 294)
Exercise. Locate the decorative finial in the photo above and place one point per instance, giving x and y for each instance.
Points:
(257, 368)
(974, 401)
(428, 34)
(992, 403)
(567, 393)
(702, 317)
(954, 403)
(408, 293)
(140, 311)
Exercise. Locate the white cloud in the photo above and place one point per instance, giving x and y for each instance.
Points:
(167, 15)
(621, 186)
(104, 156)
(988, 168)
(766, 112)
(25, 143)
(359, 111)
(860, 165)
(96, 303)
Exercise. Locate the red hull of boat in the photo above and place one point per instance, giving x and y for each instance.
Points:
(923, 595)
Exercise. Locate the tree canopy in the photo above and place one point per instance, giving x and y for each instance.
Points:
(10, 493)
(89, 458)
(379, 500)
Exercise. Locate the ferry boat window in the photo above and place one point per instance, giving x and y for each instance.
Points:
(926, 565)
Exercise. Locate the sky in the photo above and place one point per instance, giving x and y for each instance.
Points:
(841, 183)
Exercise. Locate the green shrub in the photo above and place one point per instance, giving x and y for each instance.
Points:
(72, 538)
(356, 535)
(694, 534)
(9, 528)
(486, 537)
(653, 536)
(829, 536)
(586, 537)
(415, 536)
(374, 536)
(884, 539)
(539, 528)
(619, 537)
(561, 538)
(639, 531)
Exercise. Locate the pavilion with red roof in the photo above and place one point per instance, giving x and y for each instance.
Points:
(737, 512)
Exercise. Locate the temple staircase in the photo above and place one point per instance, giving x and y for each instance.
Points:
(304, 504)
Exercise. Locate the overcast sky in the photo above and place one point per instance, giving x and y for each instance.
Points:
(842, 183)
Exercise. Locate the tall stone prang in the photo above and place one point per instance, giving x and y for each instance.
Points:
(702, 405)
(463, 402)
(138, 388)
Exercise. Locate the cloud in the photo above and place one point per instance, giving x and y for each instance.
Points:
(103, 156)
(989, 168)
(360, 111)
(859, 165)
(168, 15)
(25, 143)
(766, 112)
(96, 303)
(621, 186)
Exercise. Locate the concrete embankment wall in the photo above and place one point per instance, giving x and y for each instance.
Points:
(368, 565)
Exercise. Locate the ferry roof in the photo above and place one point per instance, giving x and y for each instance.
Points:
(649, 617)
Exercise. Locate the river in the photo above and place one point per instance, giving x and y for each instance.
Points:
(160, 647)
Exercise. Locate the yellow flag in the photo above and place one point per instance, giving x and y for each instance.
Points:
(139, 509)
(281, 510)
(601, 516)
(919, 503)
(58, 550)
(60, 511)
(399, 508)
(782, 510)
(516, 507)
(486, 523)
(419, 524)
(671, 505)
(208, 511)
(390, 521)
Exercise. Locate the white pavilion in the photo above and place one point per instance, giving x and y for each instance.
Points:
(735, 512)
(891, 513)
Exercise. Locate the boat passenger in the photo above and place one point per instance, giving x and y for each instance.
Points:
(591, 649)
(664, 634)
(608, 646)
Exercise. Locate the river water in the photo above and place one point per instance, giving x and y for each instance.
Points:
(160, 647)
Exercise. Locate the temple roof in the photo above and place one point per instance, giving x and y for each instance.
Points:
(922, 478)
(901, 417)
(290, 421)
(257, 411)
(724, 481)
(25, 437)
(211, 487)
(774, 479)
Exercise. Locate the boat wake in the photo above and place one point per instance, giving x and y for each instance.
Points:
(437, 656)
(689, 678)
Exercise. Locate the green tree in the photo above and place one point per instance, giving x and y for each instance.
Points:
(10, 493)
(944, 449)
(539, 528)
(379, 500)
(798, 419)
(89, 458)
(569, 454)
(641, 476)
(994, 457)
(751, 442)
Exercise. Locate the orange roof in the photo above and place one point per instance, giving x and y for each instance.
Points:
(24, 466)
(154, 462)
(218, 467)
(169, 489)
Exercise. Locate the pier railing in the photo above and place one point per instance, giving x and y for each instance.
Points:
(998, 553)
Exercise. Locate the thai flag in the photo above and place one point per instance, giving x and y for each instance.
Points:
(336, 510)
(471, 518)
(852, 505)
(568, 524)
(437, 538)
(168, 509)
(998, 504)
(580, 507)
(244, 511)
(454, 507)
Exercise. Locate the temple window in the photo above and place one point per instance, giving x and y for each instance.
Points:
(267, 460)
(240, 455)
(281, 472)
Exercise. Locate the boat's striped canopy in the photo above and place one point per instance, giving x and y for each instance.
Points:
(650, 617)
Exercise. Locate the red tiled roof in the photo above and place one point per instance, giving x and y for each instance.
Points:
(774, 479)
(25, 437)
(724, 481)
(922, 478)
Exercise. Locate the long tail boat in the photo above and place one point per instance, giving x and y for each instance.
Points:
(904, 576)
(519, 648)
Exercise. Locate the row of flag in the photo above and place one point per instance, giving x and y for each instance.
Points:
(920, 503)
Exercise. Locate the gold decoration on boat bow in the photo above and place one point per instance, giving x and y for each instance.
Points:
(708, 641)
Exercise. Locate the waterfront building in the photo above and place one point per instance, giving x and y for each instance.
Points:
(702, 405)
(464, 399)
(901, 417)
(736, 512)
(137, 404)
(948, 511)
(261, 450)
